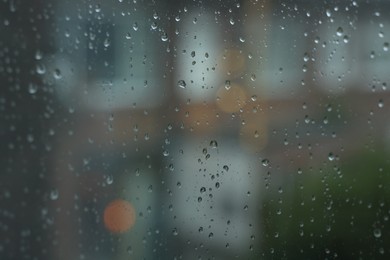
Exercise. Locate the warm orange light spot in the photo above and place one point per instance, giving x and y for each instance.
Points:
(119, 216)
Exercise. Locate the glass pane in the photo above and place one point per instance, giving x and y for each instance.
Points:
(194, 129)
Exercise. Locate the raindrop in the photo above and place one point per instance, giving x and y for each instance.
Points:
(202, 190)
(386, 46)
(57, 74)
(377, 233)
(164, 37)
(181, 83)
(339, 31)
(226, 168)
(253, 77)
(109, 179)
(32, 88)
(227, 84)
(40, 69)
(98, 8)
(106, 43)
(306, 57)
(54, 194)
(331, 157)
(38, 55)
(380, 103)
(213, 144)
(135, 26)
(265, 162)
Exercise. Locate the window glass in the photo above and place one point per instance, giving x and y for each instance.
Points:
(135, 129)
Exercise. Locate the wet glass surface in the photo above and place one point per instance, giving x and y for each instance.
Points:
(194, 129)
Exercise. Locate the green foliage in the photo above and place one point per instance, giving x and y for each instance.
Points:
(338, 212)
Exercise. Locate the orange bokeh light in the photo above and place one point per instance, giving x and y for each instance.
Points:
(119, 216)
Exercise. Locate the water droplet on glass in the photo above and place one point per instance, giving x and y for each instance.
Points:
(386, 46)
(377, 233)
(226, 168)
(135, 26)
(265, 162)
(153, 26)
(202, 190)
(380, 103)
(213, 144)
(106, 43)
(41, 69)
(306, 57)
(32, 88)
(57, 74)
(331, 157)
(253, 77)
(164, 37)
(98, 8)
(227, 84)
(181, 84)
(54, 194)
(339, 31)
(109, 179)
(38, 55)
